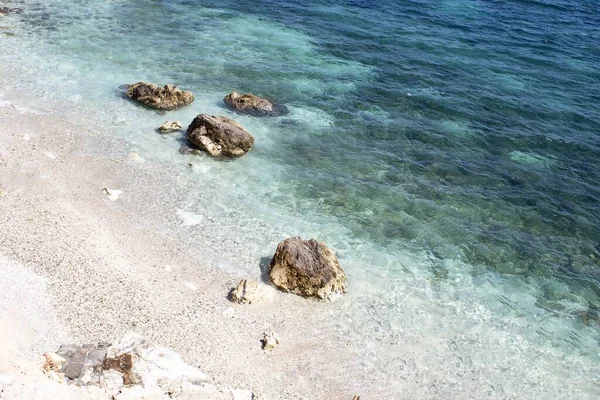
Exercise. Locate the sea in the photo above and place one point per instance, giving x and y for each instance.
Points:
(448, 151)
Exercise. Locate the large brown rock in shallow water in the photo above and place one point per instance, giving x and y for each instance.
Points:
(254, 105)
(308, 268)
(220, 136)
(168, 97)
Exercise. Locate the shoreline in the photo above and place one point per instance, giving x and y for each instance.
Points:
(107, 272)
(460, 283)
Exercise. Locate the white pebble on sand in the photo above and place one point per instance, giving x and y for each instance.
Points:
(6, 380)
(112, 194)
(188, 218)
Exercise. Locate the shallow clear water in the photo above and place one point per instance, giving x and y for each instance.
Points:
(451, 148)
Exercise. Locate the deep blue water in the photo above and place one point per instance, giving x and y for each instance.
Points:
(466, 129)
(478, 120)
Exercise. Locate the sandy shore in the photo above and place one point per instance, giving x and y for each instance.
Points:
(98, 268)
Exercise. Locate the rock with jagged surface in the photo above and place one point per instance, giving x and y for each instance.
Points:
(168, 97)
(269, 341)
(219, 136)
(253, 105)
(169, 126)
(307, 268)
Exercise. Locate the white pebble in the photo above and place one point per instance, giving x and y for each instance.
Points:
(112, 194)
(6, 380)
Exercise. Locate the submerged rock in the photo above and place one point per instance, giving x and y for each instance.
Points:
(5, 11)
(254, 105)
(168, 97)
(184, 149)
(219, 136)
(169, 126)
(307, 268)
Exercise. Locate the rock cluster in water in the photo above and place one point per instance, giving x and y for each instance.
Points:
(308, 268)
(304, 267)
(169, 97)
(219, 136)
(253, 105)
(216, 135)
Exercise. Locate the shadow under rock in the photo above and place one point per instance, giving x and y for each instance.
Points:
(264, 269)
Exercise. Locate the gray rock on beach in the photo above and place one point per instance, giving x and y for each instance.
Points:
(307, 268)
(253, 105)
(219, 136)
(132, 369)
(169, 97)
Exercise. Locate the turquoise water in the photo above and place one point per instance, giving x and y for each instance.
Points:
(458, 140)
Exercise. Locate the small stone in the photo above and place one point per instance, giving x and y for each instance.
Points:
(269, 341)
(248, 292)
(169, 126)
(245, 292)
(253, 105)
(112, 194)
(53, 362)
(6, 380)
